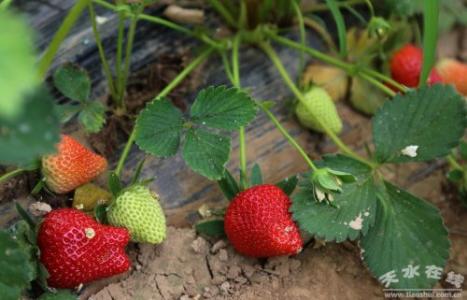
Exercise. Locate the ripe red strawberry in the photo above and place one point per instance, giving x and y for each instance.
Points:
(76, 249)
(406, 66)
(258, 223)
(455, 73)
(72, 166)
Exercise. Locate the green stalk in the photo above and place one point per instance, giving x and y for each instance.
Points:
(386, 79)
(288, 81)
(11, 174)
(60, 35)
(128, 50)
(166, 23)
(237, 84)
(301, 26)
(118, 67)
(152, 19)
(217, 5)
(453, 162)
(370, 7)
(182, 75)
(289, 138)
(347, 67)
(341, 30)
(322, 32)
(227, 68)
(430, 37)
(378, 84)
(104, 61)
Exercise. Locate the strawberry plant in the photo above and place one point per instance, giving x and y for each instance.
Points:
(418, 116)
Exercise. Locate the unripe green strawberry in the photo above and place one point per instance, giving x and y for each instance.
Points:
(318, 104)
(139, 211)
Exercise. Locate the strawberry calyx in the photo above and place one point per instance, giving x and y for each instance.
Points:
(327, 182)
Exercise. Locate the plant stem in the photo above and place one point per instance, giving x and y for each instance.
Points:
(453, 162)
(128, 50)
(227, 68)
(386, 79)
(149, 18)
(118, 67)
(11, 174)
(241, 135)
(217, 5)
(289, 138)
(301, 26)
(105, 63)
(60, 35)
(347, 67)
(288, 81)
(322, 32)
(375, 82)
(179, 78)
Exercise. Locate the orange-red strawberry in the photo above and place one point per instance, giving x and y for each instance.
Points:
(76, 249)
(258, 223)
(406, 66)
(72, 166)
(455, 73)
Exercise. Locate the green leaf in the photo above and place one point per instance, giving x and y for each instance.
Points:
(73, 82)
(100, 213)
(159, 127)
(206, 153)
(352, 213)
(223, 108)
(66, 112)
(430, 37)
(341, 31)
(288, 184)
(16, 272)
(420, 125)
(211, 228)
(33, 133)
(92, 116)
(138, 170)
(228, 185)
(408, 231)
(455, 175)
(256, 175)
(58, 295)
(17, 65)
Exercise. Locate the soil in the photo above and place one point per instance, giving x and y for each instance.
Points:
(187, 266)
